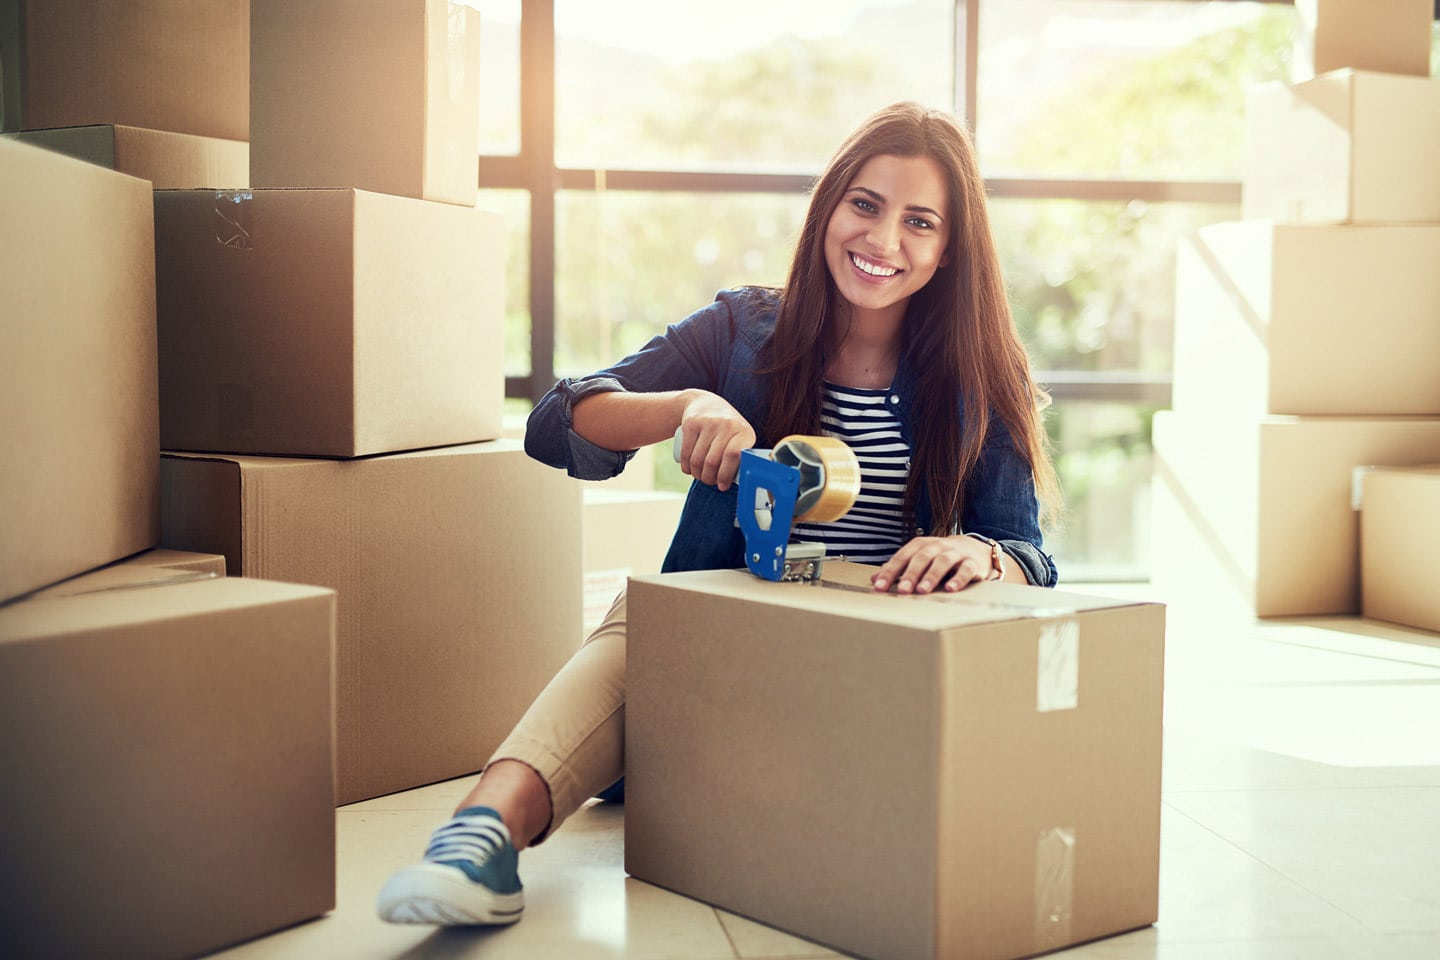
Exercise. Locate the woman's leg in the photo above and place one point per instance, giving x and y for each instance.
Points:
(569, 744)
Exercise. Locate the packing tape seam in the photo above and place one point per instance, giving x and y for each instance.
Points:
(233, 219)
(1057, 665)
(1054, 887)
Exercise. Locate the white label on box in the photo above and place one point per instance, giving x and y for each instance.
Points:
(1057, 676)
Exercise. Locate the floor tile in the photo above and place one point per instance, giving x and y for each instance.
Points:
(756, 940)
(1373, 853)
(579, 903)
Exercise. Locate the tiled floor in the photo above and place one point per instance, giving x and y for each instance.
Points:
(1301, 821)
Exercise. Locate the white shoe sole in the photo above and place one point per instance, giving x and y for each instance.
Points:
(436, 894)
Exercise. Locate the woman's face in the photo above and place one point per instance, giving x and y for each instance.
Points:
(887, 237)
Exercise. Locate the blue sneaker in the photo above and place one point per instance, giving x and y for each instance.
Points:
(469, 876)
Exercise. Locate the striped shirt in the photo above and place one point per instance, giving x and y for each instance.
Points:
(866, 421)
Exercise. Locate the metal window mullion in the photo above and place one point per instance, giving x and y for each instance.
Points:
(537, 147)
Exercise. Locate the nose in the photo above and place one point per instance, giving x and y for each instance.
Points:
(884, 235)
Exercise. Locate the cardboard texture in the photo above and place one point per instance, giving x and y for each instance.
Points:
(330, 323)
(170, 161)
(1259, 513)
(382, 95)
(179, 65)
(626, 533)
(171, 792)
(1347, 147)
(152, 568)
(1302, 319)
(1400, 520)
(1386, 36)
(1002, 746)
(443, 637)
(80, 433)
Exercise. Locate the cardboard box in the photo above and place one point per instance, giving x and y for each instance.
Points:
(1399, 524)
(180, 65)
(965, 777)
(152, 568)
(170, 161)
(80, 433)
(1303, 319)
(168, 760)
(1386, 36)
(329, 323)
(626, 533)
(1259, 514)
(382, 95)
(459, 583)
(1346, 147)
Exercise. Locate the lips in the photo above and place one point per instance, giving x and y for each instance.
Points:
(870, 268)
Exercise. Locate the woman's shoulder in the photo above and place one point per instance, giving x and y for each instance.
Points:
(752, 309)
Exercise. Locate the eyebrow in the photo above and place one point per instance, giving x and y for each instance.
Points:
(913, 208)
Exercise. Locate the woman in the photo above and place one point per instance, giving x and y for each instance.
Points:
(893, 333)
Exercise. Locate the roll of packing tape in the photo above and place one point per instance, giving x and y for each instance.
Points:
(829, 476)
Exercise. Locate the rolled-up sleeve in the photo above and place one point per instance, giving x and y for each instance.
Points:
(689, 354)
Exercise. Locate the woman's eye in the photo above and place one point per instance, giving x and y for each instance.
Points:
(922, 223)
(864, 206)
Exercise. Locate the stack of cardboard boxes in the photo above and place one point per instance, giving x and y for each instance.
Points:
(160, 93)
(143, 694)
(331, 367)
(322, 358)
(1307, 337)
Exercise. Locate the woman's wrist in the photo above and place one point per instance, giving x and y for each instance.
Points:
(998, 563)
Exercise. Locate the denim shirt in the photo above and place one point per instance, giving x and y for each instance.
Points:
(718, 348)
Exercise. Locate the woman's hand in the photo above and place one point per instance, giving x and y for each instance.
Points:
(925, 564)
(713, 434)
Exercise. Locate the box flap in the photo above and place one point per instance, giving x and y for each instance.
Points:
(844, 589)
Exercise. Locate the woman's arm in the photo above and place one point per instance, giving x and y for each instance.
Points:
(926, 564)
(714, 432)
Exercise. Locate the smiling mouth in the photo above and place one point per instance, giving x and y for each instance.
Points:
(873, 269)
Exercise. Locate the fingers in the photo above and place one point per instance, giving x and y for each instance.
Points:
(927, 564)
(714, 435)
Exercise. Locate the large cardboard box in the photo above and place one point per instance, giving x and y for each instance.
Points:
(150, 568)
(1257, 516)
(961, 777)
(383, 95)
(1399, 526)
(1386, 36)
(181, 65)
(169, 775)
(458, 575)
(1347, 147)
(1303, 319)
(626, 533)
(170, 161)
(80, 432)
(330, 323)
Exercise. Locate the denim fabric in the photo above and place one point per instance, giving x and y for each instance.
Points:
(717, 348)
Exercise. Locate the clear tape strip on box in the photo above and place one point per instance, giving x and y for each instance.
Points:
(456, 18)
(1357, 487)
(1054, 887)
(232, 219)
(1057, 663)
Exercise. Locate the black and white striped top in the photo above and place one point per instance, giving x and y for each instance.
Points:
(866, 420)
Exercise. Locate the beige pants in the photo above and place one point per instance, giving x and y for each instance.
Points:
(573, 735)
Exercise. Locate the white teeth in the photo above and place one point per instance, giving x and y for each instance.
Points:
(872, 269)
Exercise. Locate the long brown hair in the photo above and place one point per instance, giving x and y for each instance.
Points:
(959, 335)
